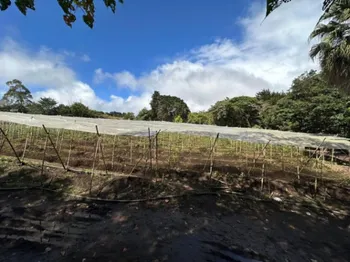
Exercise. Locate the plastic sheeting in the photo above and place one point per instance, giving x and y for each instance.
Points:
(140, 128)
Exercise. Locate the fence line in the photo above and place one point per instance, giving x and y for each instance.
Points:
(171, 152)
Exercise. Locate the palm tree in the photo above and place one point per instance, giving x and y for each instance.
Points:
(333, 50)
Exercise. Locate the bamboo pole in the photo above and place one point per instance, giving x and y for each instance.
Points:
(25, 147)
(263, 169)
(156, 146)
(70, 148)
(94, 162)
(298, 164)
(150, 148)
(44, 154)
(211, 155)
(103, 157)
(131, 148)
(53, 145)
(246, 158)
(312, 154)
(282, 158)
(250, 169)
(332, 157)
(58, 137)
(62, 137)
(13, 149)
(101, 148)
(169, 157)
(113, 149)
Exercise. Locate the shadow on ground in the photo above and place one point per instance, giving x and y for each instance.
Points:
(38, 225)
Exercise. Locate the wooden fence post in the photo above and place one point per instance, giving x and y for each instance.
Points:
(211, 156)
(150, 147)
(44, 154)
(250, 169)
(53, 145)
(13, 149)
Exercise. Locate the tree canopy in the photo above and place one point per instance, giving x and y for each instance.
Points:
(18, 97)
(311, 105)
(271, 5)
(167, 108)
(242, 111)
(332, 51)
(69, 7)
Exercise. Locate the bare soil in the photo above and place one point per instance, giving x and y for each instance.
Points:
(232, 221)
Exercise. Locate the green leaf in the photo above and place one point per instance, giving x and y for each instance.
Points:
(66, 5)
(89, 20)
(111, 4)
(23, 5)
(69, 19)
(273, 4)
(4, 4)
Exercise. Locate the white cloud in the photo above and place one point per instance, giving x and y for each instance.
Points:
(48, 71)
(122, 79)
(270, 55)
(85, 58)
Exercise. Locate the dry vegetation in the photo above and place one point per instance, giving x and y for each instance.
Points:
(163, 153)
(157, 178)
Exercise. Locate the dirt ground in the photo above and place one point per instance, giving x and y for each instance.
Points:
(42, 225)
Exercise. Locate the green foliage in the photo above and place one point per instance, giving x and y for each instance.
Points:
(48, 105)
(267, 96)
(166, 108)
(34, 108)
(129, 116)
(18, 97)
(240, 111)
(144, 114)
(80, 110)
(311, 106)
(205, 118)
(178, 119)
(333, 50)
(69, 8)
(64, 110)
(273, 4)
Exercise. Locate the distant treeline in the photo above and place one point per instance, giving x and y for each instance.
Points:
(310, 105)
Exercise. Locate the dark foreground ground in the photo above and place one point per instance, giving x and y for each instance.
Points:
(38, 225)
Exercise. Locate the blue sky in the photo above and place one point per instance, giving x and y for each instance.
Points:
(201, 51)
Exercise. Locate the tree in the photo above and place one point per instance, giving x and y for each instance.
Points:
(240, 111)
(48, 105)
(201, 118)
(144, 114)
(34, 108)
(155, 102)
(311, 106)
(271, 5)
(129, 116)
(69, 8)
(166, 108)
(333, 50)
(18, 97)
(267, 96)
(63, 110)
(115, 114)
(178, 119)
(80, 110)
